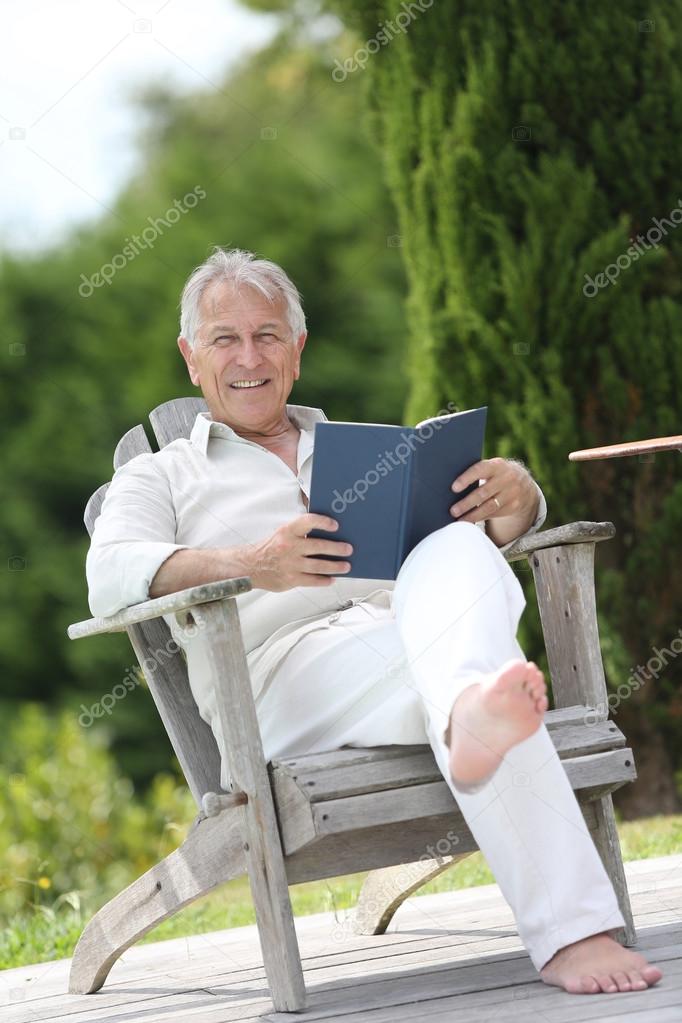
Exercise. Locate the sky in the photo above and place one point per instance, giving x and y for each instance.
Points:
(68, 69)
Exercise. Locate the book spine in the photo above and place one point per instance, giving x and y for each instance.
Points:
(405, 502)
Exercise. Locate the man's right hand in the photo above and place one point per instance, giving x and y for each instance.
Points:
(290, 558)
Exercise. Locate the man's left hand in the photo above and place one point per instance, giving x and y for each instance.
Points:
(507, 490)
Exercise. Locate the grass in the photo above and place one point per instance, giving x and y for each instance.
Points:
(49, 934)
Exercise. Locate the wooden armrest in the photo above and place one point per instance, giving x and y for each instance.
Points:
(160, 606)
(573, 532)
(631, 447)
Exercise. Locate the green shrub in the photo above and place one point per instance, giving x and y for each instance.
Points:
(70, 823)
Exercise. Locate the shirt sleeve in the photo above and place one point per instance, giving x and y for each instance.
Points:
(133, 536)
(539, 519)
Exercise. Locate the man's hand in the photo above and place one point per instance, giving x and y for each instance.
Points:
(288, 557)
(507, 494)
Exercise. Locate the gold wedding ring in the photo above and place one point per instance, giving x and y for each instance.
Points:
(497, 503)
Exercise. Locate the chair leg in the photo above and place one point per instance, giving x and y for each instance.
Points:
(564, 580)
(384, 890)
(248, 772)
(608, 844)
(212, 853)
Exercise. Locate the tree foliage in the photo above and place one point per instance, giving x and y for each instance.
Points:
(286, 173)
(527, 149)
(70, 824)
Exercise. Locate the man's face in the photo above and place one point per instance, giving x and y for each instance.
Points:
(243, 339)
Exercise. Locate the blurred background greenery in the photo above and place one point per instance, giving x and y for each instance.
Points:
(438, 211)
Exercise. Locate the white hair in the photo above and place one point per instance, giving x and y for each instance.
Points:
(240, 268)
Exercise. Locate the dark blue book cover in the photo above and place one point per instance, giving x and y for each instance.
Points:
(389, 486)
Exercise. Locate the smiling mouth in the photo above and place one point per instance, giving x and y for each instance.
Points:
(248, 384)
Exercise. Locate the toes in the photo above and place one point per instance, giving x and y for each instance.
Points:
(588, 986)
(622, 980)
(651, 974)
(539, 678)
(537, 692)
(637, 981)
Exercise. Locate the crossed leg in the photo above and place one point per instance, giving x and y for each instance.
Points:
(488, 720)
(446, 660)
(494, 717)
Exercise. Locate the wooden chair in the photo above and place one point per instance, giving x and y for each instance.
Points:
(386, 809)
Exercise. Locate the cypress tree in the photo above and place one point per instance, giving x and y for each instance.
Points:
(533, 154)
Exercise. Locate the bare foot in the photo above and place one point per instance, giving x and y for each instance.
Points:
(491, 716)
(599, 964)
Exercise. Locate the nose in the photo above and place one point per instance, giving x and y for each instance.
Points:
(249, 355)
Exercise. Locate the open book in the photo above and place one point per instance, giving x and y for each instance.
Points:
(389, 486)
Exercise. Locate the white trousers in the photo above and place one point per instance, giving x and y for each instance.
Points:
(371, 676)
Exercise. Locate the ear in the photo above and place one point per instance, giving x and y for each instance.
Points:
(188, 356)
(300, 342)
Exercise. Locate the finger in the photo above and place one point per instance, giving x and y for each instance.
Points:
(319, 566)
(472, 500)
(473, 473)
(334, 548)
(483, 510)
(311, 520)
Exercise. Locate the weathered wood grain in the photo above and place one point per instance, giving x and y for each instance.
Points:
(94, 507)
(631, 447)
(170, 604)
(175, 419)
(211, 854)
(383, 891)
(470, 920)
(409, 973)
(167, 680)
(346, 774)
(615, 767)
(131, 444)
(248, 773)
(608, 845)
(571, 533)
(564, 581)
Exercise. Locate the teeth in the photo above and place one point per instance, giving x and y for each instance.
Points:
(247, 383)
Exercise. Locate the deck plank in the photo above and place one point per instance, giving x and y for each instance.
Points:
(453, 956)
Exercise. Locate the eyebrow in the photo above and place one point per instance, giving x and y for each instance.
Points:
(233, 330)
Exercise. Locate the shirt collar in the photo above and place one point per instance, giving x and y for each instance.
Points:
(204, 427)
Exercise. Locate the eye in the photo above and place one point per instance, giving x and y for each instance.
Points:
(223, 339)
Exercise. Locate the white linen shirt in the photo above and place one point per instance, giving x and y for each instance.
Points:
(214, 490)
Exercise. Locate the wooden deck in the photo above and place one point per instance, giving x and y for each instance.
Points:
(451, 957)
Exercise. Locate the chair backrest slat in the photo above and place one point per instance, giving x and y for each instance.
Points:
(175, 419)
(191, 738)
(94, 507)
(166, 675)
(132, 443)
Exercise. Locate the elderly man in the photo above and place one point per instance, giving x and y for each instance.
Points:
(430, 658)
